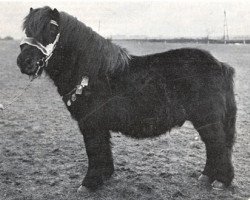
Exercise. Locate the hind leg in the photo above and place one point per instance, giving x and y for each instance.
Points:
(218, 166)
(99, 153)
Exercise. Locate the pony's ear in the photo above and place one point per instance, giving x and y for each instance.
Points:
(31, 9)
(56, 15)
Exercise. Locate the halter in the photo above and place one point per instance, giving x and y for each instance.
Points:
(47, 51)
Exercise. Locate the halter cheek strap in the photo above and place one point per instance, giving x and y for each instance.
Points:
(54, 22)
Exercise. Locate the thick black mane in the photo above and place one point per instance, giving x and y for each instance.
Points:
(36, 21)
(100, 54)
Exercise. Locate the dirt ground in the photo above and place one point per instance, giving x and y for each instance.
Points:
(42, 155)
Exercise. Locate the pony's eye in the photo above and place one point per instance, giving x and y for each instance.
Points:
(52, 33)
(53, 30)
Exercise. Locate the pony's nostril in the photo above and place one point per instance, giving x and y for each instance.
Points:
(18, 61)
(27, 60)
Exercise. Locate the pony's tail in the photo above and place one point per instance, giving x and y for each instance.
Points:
(231, 109)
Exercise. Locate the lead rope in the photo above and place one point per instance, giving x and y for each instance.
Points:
(20, 93)
(47, 51)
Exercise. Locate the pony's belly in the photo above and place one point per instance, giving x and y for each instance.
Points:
(149, 127)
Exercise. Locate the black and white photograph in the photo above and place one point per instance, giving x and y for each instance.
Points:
(124, 100)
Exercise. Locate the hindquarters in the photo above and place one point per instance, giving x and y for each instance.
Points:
(214, 116)
(231, 109)
(214, 101)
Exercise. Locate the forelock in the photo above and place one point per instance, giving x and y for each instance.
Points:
(35, 22)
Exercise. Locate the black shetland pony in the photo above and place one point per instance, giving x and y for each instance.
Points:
(105, 88)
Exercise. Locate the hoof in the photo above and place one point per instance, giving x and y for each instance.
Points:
(217, 185)
(204, 179)
(82, 189)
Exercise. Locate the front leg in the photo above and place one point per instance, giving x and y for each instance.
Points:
(98, 148)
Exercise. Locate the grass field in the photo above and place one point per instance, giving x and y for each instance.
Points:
(43, 156)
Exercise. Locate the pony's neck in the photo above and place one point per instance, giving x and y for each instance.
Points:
(100, 55)
(75, 35)
(85, 53)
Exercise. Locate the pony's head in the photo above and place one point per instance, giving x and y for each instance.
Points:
(41, 27)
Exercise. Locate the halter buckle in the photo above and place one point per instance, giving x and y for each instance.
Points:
(41, 64)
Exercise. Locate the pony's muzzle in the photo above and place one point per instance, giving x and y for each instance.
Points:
(18, 61)
(28, 61)
(26, 65)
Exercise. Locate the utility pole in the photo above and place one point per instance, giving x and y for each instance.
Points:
(99, 26)
(225, 34)
(208, 34)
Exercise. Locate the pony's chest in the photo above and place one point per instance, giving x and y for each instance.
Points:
(78, 103)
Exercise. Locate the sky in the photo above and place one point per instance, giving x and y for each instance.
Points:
(164, 18)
